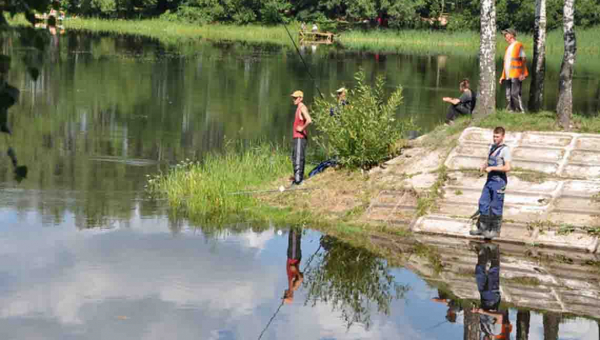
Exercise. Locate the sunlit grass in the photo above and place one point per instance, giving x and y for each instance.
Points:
(174, 32)
(409, 41)
(211, 191)
(542, 121)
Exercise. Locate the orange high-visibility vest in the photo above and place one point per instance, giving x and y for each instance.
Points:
(517, 65)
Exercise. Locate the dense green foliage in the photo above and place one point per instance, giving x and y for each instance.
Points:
(460, 14)
(364, 132)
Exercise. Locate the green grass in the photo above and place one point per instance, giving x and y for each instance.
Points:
(209, 191)
(172, 32)
(409, 41)
(427, 201)
(542, 121)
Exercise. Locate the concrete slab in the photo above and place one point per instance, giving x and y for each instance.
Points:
(555, 178)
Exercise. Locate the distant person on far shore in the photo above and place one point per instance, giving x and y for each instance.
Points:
(315, 28)
(462, 105)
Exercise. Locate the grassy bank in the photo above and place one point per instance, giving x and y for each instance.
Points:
(542, 121)
(410, 41)
(213, 191)
(242, 183)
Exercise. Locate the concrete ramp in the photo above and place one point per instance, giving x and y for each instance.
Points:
(561, 154)
(552, 198)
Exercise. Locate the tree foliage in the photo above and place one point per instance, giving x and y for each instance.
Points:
(364, 132)
(461, 14)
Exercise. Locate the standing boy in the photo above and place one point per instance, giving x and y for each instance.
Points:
(300, 133)
(491, 202)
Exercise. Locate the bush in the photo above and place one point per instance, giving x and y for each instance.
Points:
(363, 133)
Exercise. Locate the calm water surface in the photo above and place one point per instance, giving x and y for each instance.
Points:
(86, 256)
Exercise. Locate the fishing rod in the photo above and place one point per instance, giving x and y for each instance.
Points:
(282, 300)
(301, 58)
(281, 189)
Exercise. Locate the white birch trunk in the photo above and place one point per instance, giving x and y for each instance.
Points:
(564, 108)
(536, 94)
(486, 96)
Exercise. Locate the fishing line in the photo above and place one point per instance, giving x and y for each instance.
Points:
(301, 58)
(282, 300)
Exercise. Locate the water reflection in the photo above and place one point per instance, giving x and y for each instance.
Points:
(353, 281)
(494, 320)
(8, 97)
(292, 267)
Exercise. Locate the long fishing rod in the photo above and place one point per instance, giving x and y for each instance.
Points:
(282, 300)
(301, 58)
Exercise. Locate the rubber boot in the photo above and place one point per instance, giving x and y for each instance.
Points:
(493, 227)
(478, 231)
(482, 226)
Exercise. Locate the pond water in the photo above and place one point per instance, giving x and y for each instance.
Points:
(86, 255)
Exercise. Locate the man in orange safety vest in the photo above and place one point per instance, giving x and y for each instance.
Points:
(514, 71)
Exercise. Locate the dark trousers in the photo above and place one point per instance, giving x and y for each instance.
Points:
(491, 201)
(298, 155)
(455, 110)
(487, 275)
(513, 95)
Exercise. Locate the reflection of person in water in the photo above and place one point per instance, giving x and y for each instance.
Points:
(493, 320)
(454, 308)
(8, 97)
(294, 256)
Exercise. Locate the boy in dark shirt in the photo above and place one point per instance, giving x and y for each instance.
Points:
(462, 105)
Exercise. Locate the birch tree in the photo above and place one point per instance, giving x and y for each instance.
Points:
(564, 108)
(536, 94)
(523, 320)
(486, 97)
(471, 329)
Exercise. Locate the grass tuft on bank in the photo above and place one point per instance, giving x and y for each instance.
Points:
(213, 191)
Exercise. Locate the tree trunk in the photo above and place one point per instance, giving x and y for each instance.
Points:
(551, 322)
(523, 319)
(536, 94)
(471, 325)
(486, 96)
(564, 109)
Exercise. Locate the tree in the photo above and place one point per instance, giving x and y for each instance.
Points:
(536, 93)
(471, 326)
(564, 108)
(552, 320)
(523, 320)
(487, 66)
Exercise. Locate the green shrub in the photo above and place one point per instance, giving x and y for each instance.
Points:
(363, 133)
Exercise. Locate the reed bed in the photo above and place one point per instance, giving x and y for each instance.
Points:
(211, 191)
(173, 32)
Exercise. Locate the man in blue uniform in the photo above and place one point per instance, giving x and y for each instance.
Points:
(491, 202)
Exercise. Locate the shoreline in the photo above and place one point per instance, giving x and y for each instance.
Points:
(407, 41)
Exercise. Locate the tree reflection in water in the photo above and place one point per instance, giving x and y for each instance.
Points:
(8, 97)
(353, 281)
